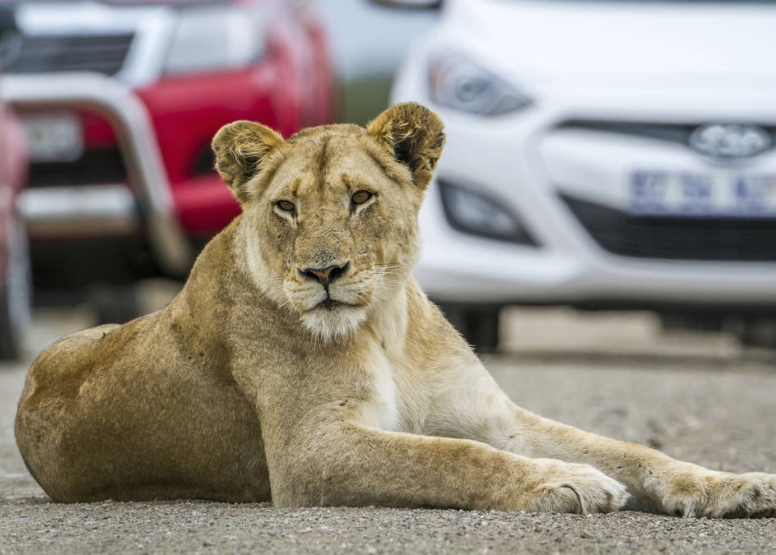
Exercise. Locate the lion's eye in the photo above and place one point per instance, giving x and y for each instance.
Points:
(361, 197)
(285, 205)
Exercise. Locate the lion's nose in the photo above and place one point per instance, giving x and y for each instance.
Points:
(327, 275)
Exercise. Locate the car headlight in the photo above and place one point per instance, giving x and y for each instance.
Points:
(457, 82)
(476, 213)
(215, 38)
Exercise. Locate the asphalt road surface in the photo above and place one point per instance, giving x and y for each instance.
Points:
(698, 397)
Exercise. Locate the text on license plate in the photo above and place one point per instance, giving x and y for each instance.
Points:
(723, 194)
(53, 137)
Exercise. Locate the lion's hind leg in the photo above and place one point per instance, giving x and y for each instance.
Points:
(101, 417)
(47, 402)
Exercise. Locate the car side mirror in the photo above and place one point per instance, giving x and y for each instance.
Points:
(411, 4)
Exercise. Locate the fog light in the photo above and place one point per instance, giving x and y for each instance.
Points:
(475, 213)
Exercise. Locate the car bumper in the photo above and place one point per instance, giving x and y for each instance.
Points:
(105, 208)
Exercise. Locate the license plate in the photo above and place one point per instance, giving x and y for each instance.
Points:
(721, 194)
(54, 137)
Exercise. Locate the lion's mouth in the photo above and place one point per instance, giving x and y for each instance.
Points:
(331, 318)
(331, 304)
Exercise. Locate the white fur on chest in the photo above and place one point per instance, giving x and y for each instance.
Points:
(390, 327)
(382, 410)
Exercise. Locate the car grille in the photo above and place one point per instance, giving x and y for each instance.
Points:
(59, 53)
(668, 132)
(674, 238)
(95, 167)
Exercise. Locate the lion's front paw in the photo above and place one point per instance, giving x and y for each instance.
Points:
(577, 488)
(721, 494)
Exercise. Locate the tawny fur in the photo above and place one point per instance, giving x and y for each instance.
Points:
(258, 383)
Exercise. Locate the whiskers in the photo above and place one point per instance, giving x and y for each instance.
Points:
(286, 307)
(389, 278)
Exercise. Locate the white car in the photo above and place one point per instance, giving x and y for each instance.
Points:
(615, 154)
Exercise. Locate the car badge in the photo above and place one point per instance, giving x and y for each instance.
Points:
(729, 140)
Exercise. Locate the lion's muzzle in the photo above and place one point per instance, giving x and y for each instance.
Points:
(325, 276)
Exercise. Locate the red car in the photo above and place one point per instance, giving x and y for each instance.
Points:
(120, 101)
(14, 254)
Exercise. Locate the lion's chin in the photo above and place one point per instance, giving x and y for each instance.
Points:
(331, 320)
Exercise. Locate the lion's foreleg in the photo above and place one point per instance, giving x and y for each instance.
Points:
(655, 480)
(359, 466)
(477, 409)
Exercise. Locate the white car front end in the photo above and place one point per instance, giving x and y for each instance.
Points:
(600, 153)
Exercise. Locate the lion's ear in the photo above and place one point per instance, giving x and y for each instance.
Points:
(415, 136)
(240, 148)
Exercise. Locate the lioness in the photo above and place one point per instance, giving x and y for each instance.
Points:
(301, 363)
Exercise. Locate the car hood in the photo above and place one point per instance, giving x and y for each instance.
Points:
(644, 43)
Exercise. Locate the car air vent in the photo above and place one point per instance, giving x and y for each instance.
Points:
(669, 132)
(59, 53)
(677, 238)
(95, 167)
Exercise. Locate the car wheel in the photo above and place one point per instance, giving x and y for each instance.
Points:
(693, 322)
(478, 325)
(116, 304)
(15, 297)
(758, 332)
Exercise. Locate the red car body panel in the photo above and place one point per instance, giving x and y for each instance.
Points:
(290, 88)
(186, 112)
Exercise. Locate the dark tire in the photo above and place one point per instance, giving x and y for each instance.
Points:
(116, 304)
(16, 295)
(478, 325)
(758, 332)
(693, 322)
(10, 336)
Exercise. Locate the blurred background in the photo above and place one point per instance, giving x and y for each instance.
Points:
(608, 184)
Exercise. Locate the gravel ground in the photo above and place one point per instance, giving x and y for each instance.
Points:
(700, 398)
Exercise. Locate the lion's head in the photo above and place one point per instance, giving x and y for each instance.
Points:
(330, 215)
